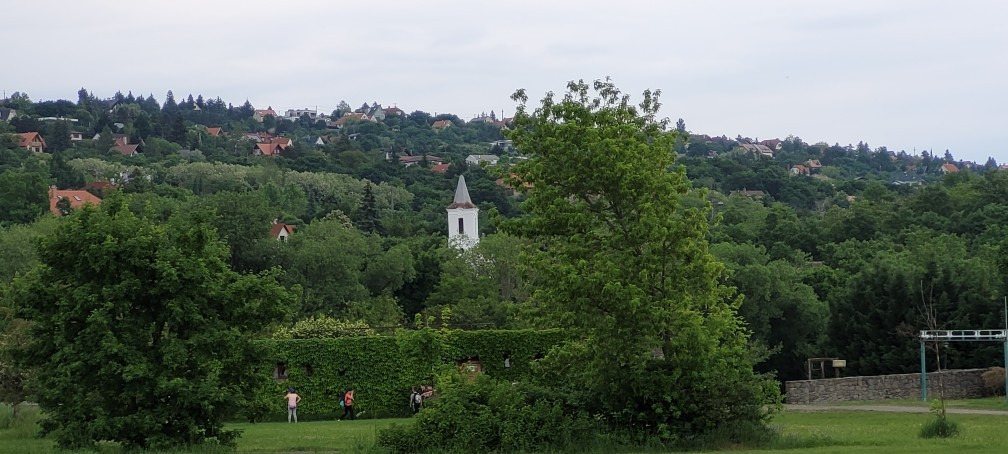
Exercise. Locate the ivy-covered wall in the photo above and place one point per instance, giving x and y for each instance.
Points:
(383, 369)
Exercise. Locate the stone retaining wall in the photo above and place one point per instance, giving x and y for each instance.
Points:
(959, 384)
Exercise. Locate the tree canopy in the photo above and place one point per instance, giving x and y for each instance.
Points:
(140, 330)
(623, 263)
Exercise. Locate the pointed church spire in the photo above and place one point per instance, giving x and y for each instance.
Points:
(462, 199)
(463, 218)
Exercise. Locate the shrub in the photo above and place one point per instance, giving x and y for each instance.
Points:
(487, 415)
(939, 428)
(994, 380)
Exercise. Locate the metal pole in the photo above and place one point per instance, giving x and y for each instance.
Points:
(924, 372)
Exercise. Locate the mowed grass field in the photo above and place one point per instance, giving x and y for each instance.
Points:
(884, 432)
(816, 432)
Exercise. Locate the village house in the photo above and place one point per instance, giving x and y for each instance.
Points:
(514, 190)
(480, 159)
(125, 150)
(296, 114)
(77, 199)
(907, 180)
(948, 168)
(264, 137)
(441, 124)
(773, 144)
(799, 169)
(76, 136)
(32, 141)
(408, 161)
(505, 144)
(63, 119)
(283, 142)
(393, 112)
(118, 139)
(377, 112)
(757, 149)
(281, 231)
(267, 149)
(213, 132)
(340, 122)
(441, 168)
(260, 114)
(813, 165)
(7, 114)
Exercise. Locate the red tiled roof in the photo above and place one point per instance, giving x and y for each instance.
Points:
(77, 199)
(949, 167)
(214, 132)
(282, 142)
(277, 228)
(29, 137)
(441, 168)
(125, 150)
(441, 124)
(269, 149)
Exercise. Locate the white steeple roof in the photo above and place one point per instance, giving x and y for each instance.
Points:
(462, 199)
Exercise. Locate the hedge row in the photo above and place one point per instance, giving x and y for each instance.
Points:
(383, 369)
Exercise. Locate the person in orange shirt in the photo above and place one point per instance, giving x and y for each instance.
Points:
(292, 402)
(348, 402)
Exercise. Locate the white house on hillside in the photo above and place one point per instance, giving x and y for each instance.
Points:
(463, 219)
(477, 159)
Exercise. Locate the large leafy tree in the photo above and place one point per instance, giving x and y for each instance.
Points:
(23, 197)
(140, 330)
(622, 263)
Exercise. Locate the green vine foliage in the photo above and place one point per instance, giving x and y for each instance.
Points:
(383, 369)
(323, 326)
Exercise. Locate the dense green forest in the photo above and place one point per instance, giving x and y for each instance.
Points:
(834, 250)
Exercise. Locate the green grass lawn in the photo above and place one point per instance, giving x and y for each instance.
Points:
(816, 432)
(987, 403)
(882, 432)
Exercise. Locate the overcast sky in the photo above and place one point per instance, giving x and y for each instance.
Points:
(905, 74)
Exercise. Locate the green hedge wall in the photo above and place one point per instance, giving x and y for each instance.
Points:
(383, 369)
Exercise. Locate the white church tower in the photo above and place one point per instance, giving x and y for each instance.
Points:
(463, 218)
